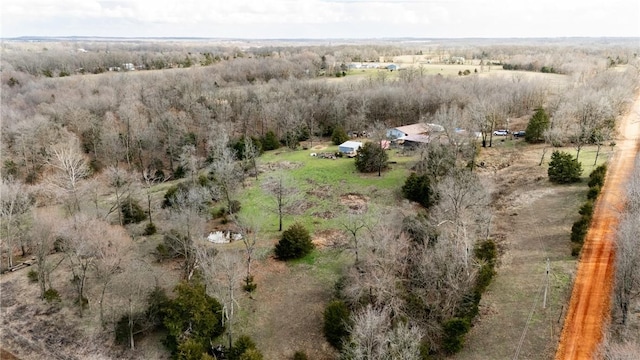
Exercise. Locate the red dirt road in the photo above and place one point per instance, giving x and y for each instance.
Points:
(588, 310)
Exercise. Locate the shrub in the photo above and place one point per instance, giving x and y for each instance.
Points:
(579, 229)
(300, 355)
(270, 141)
(564, 168)
(132, 212)
(487, 251)
(418, 188)
(33, 275)
(295, 243)
(51, 295)
(243, 348)
(454, 331)
(593, 193)
(249, 285)
(171, 194)
(251, 354)
(191, 349)
(336, 323)
(235, 207)
(371, 157)
(339, 136)
(575, 249)
(586, 209)
(179, 172)
(150, 229)
(163, 252)
(596, 178)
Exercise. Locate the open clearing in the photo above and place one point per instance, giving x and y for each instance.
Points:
(532, 224)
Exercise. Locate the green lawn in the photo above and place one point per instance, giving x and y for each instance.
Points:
(321, 182)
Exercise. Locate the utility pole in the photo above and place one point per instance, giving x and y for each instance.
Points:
(546, 288)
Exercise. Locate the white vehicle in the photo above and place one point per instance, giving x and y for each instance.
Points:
(501, 133)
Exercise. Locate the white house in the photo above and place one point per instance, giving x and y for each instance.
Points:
(349, 147)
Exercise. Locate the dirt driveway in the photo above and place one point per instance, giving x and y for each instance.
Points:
(589, 307)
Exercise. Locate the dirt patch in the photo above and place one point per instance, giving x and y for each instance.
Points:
(279, 165)
(324, 215)
(328, 238)
(320, 191)
(356, 203)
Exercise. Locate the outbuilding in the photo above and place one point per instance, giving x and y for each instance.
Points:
(349, 147)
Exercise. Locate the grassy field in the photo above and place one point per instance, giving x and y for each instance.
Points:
(322, 183)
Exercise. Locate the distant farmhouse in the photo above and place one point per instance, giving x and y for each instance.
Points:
(413, 135)
(400, 133)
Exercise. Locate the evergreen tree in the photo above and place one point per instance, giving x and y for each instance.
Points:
(538, 123)
(295, 243)
(564, 168)
(339, 136)
(371, 157)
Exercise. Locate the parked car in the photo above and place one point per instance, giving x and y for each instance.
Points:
(501, 133)
(520, 133)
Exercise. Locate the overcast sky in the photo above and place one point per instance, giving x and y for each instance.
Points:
(317, 19)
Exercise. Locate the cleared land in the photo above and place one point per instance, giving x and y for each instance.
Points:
(589, 307)
(532, 222)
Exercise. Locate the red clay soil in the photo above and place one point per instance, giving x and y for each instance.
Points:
(590, 300)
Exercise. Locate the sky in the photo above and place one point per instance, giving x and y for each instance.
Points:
(321, 19)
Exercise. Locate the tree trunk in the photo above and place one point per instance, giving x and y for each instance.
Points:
(544, 152)
(131, 342)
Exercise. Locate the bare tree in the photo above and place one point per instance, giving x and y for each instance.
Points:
(374, 337)
(148, 180)
(42, 245)
(187, 221)
(250, 231)
(131, 289)
(353, 224)
(627, 276)
(222, 272)
(85, 240)
(190, 161)
(376, 279)
(15, 207)
(251, 153)
(120, 180)
(590, 112)
(284, 194)
(113, 255)
(230, 267)
(69, 169)
(225, 170)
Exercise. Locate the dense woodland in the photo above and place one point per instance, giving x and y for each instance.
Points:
(96, 157)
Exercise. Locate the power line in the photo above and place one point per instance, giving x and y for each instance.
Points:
(526, 327)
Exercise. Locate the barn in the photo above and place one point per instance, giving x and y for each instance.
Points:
(349, 147)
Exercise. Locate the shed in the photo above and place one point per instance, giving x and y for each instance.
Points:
(348, 147)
